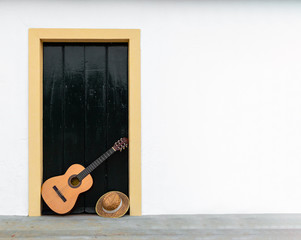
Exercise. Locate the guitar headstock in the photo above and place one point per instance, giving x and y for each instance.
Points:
(121, 144)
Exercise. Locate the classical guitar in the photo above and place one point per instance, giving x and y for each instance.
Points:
(60, 193)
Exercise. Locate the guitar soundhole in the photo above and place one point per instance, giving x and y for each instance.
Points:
(74, 182)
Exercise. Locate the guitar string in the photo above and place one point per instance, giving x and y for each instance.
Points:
(95, 164)
(66, 186)
(111, 152)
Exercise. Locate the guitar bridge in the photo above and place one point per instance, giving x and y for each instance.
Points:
(59, 193)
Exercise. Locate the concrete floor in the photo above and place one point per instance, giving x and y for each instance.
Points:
(208, 227)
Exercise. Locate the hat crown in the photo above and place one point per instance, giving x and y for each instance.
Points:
(111, 201)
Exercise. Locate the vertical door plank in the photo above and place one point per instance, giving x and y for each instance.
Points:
(95, 130)
(52, 114)
(117, 115)
(74, 111)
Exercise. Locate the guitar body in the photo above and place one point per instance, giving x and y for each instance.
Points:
(61, 192)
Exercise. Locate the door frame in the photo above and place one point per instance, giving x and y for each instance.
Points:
(36, 38)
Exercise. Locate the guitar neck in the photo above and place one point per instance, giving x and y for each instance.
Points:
(95, 164)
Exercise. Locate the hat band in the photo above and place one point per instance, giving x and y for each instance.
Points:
(115, 210)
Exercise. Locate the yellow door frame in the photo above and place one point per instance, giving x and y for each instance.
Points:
(36, 38)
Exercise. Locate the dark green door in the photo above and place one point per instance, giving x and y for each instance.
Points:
(85, 110)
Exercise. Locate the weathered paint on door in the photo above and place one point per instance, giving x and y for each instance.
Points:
(85, 110)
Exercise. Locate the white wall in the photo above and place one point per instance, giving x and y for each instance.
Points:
(221, 100)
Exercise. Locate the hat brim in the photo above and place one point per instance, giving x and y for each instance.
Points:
(119, 213)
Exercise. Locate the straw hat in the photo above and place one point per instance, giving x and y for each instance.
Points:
(112, 205)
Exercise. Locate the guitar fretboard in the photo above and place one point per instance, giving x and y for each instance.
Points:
(95, 164)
